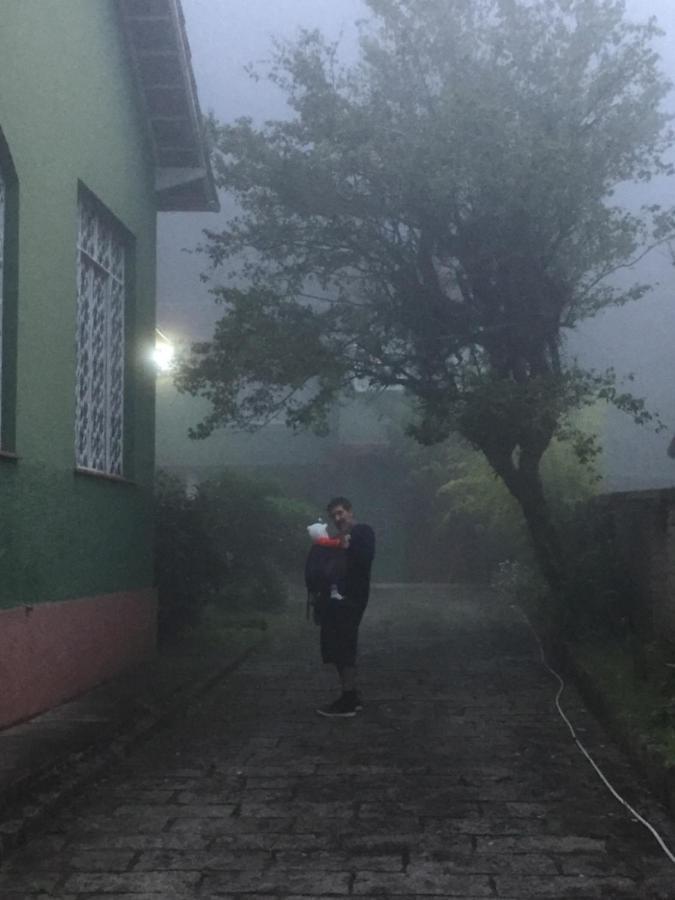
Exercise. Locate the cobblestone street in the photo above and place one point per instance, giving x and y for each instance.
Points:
(457, 780)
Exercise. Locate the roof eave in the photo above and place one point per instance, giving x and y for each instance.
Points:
(159, 53)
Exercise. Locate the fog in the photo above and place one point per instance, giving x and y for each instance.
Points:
(227, 35)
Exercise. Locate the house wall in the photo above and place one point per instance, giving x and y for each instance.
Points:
(69, 113)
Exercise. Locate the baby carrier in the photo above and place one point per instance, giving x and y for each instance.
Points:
(324, 567)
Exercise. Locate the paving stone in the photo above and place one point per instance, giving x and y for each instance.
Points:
(199, 860)
(232, 825)
(658, 887)
(167, 841)
(423, 880)
(478, 864)
(480, 826)
(595, 865)
(22, 895)
(303, 811)
(565, 886)
(143, 822)
(257, 896)
(42, 848)
(279, 879)
(173, 811)
(399, 842)
(543, 843)
(146, 796)
(338, 861)
(457, 780)
(168, 884)
(271, 841)
(28, 882)
(84, 861)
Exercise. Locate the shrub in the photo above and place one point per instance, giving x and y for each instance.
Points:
(596, 596)
(234, 542)
(188, 568)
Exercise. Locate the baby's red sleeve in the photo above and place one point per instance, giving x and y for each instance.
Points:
(328, 542)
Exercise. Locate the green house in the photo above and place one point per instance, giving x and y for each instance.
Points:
(100, 129)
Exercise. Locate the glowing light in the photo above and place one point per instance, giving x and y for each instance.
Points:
(164, 354)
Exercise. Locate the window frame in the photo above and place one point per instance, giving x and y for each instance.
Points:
(9, 280)
(116, 465)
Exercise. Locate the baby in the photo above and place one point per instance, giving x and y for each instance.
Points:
(318, 532)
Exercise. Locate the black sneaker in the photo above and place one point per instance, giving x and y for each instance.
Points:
(343, 708)
(358, 706)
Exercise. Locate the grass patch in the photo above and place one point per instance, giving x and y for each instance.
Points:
(642, 707)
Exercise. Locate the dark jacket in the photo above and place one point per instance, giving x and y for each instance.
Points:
(359, 555)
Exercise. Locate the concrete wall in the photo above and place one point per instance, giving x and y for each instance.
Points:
(69, 115)
(53, 650)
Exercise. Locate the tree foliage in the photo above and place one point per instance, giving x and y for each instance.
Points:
(436, 218)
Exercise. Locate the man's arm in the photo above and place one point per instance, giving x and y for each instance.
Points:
(362, 544)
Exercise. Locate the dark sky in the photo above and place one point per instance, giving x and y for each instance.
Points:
(226, 35)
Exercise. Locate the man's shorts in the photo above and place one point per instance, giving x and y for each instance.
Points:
(340, 632)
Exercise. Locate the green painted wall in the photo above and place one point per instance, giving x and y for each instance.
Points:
(69, 113)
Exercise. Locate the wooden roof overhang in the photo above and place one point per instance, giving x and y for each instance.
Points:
(160, 58)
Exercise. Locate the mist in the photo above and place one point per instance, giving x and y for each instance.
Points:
(226, 37)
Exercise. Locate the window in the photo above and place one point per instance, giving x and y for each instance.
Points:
(99, 402)
(3, 207)
(9, 259)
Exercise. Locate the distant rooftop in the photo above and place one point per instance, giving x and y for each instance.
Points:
(160, 57)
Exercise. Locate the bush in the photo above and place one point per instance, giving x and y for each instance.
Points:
(467, 515)
(597, 594)
(187, 567)
(594, 601)
(235, 542)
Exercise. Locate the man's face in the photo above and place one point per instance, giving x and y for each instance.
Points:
(342, 518)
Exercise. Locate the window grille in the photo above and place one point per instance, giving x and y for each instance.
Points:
(100, 339)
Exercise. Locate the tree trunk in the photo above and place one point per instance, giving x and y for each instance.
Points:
(543, 533)
(525, 485)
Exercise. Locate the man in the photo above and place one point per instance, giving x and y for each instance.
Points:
(340, 623)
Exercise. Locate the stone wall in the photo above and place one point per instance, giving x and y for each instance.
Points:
(643, 529)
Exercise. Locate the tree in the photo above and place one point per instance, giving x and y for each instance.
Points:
(436, 218)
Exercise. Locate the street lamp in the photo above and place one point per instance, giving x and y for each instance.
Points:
(164, 354)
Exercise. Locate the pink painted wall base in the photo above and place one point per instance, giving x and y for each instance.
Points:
(52, 652)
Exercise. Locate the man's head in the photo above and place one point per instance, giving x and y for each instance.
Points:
(341, 512)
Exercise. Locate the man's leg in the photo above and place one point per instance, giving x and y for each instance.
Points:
(348, 703)
(347, 678)
(349, 686)
(347, 626)
(348, 671)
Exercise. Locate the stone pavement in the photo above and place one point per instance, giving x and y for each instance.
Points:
(45, 761)
(457, 780)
